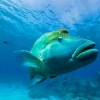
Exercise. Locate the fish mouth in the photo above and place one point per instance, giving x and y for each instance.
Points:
(85, 52)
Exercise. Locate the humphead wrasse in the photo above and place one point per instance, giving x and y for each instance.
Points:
(56, 53)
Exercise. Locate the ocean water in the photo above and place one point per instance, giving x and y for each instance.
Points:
(22, 22)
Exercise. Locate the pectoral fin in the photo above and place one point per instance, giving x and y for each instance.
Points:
(38, 79)
(25, 58)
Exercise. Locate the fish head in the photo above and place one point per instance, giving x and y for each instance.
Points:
(66, 53)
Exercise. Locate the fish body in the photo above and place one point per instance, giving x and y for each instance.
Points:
(56, 53)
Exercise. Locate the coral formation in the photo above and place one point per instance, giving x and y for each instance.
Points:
(68, 89)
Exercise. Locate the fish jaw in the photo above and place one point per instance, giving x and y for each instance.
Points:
(85, 52)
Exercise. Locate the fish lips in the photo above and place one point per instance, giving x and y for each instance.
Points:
(85, 52)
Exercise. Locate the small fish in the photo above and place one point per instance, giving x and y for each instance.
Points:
(5, 42)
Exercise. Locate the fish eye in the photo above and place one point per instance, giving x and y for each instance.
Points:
(59, 39)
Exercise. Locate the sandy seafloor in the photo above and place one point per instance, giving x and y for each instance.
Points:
(13, 92)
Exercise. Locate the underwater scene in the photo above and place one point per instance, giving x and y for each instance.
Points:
(49, 49)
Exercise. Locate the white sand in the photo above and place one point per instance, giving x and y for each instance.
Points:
(13, 92)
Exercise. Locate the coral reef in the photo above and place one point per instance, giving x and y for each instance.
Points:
(68, 89)
(59, 88)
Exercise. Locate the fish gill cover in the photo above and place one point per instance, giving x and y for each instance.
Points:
(22, 22)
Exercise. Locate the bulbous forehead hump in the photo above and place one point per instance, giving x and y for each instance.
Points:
(63, 30)
(55, 34)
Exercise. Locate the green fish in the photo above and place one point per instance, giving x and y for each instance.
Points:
(56, 53)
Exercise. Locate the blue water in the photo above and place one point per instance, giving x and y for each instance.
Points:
(22, 22)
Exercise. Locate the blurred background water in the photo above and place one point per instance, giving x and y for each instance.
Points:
(22, 22)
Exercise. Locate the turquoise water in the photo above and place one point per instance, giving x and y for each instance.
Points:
(22, 22)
